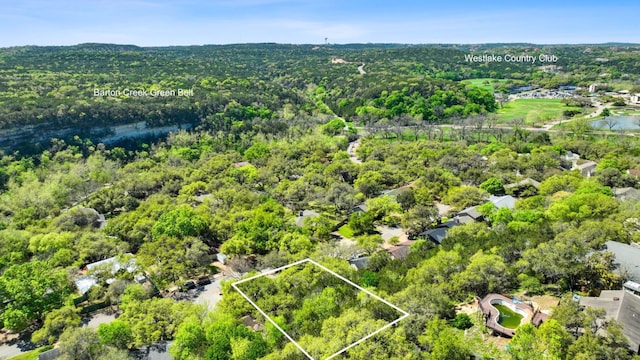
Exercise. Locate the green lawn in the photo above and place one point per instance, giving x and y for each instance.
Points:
(485, 83)
(346, 231)
(533, 111)
(31, 355)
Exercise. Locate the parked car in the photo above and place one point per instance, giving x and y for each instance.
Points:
(189, 285)
(203, 280)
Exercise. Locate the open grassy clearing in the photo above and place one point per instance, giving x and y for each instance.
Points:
(533, 111)
(486, 83)
(345, 230)
(31, 355)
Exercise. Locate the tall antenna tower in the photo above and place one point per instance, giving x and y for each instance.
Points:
(326, 41)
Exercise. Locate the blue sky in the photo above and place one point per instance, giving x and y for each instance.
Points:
(196, 22)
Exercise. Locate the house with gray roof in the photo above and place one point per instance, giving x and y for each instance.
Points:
(359, 263)
(469, 214)
(587, 168)
(627, 259)
(112, 265)
(523, 182)
(623, 306)
(506, 201)
(524, 187)
(626, 193)
(436, 235)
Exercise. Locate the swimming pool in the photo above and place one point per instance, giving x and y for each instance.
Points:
(510, 316)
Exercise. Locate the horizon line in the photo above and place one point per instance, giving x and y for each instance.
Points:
(608, 43)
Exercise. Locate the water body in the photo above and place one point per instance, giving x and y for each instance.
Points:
(622, 122)
(508, 318)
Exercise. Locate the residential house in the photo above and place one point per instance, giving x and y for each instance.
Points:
(524, 187)
(359, 263)
(635, 99)
(627, 259)
(436, 235)
(634, 172)
(252, 323)
(587, 168)
(623, 306)
(506, 201)
(241, 164)
(359, 208)
(523, 182)
(468, 215)
(400, 251)
(87, 279)
(627, 193)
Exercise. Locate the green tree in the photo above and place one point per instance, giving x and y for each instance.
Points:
(83, 343)
(361, 222)
(190, 341)
(156, 319)
(369, 183)
(406, 198)
(493, 186)
(116, 333)
(55, 323)
(181, 222)
(462, 321)
(486, 273)
(419, 219)
(369, 243)
(464, 196)
(383, 208)
(333, 127)
(33, 289)
(443, 342)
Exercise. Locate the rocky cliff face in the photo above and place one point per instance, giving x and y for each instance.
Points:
(33, 136)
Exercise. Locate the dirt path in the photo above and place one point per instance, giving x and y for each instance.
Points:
(351, 150)
(361, 69)
(599, 107)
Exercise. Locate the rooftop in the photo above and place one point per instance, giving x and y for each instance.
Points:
(586, 165)
(622, 306)
(436, 235)
(472, 212)
(113, 265)
(506, 201)
(627, 258)
(399, 251)
(526, 181)
(359, 263)
(626, 192)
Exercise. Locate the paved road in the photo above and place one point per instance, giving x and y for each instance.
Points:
(211, 294)
(9, 351)
(16, 347)
(100, 318)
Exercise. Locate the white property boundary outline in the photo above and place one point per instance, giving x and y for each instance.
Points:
(404, 313)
